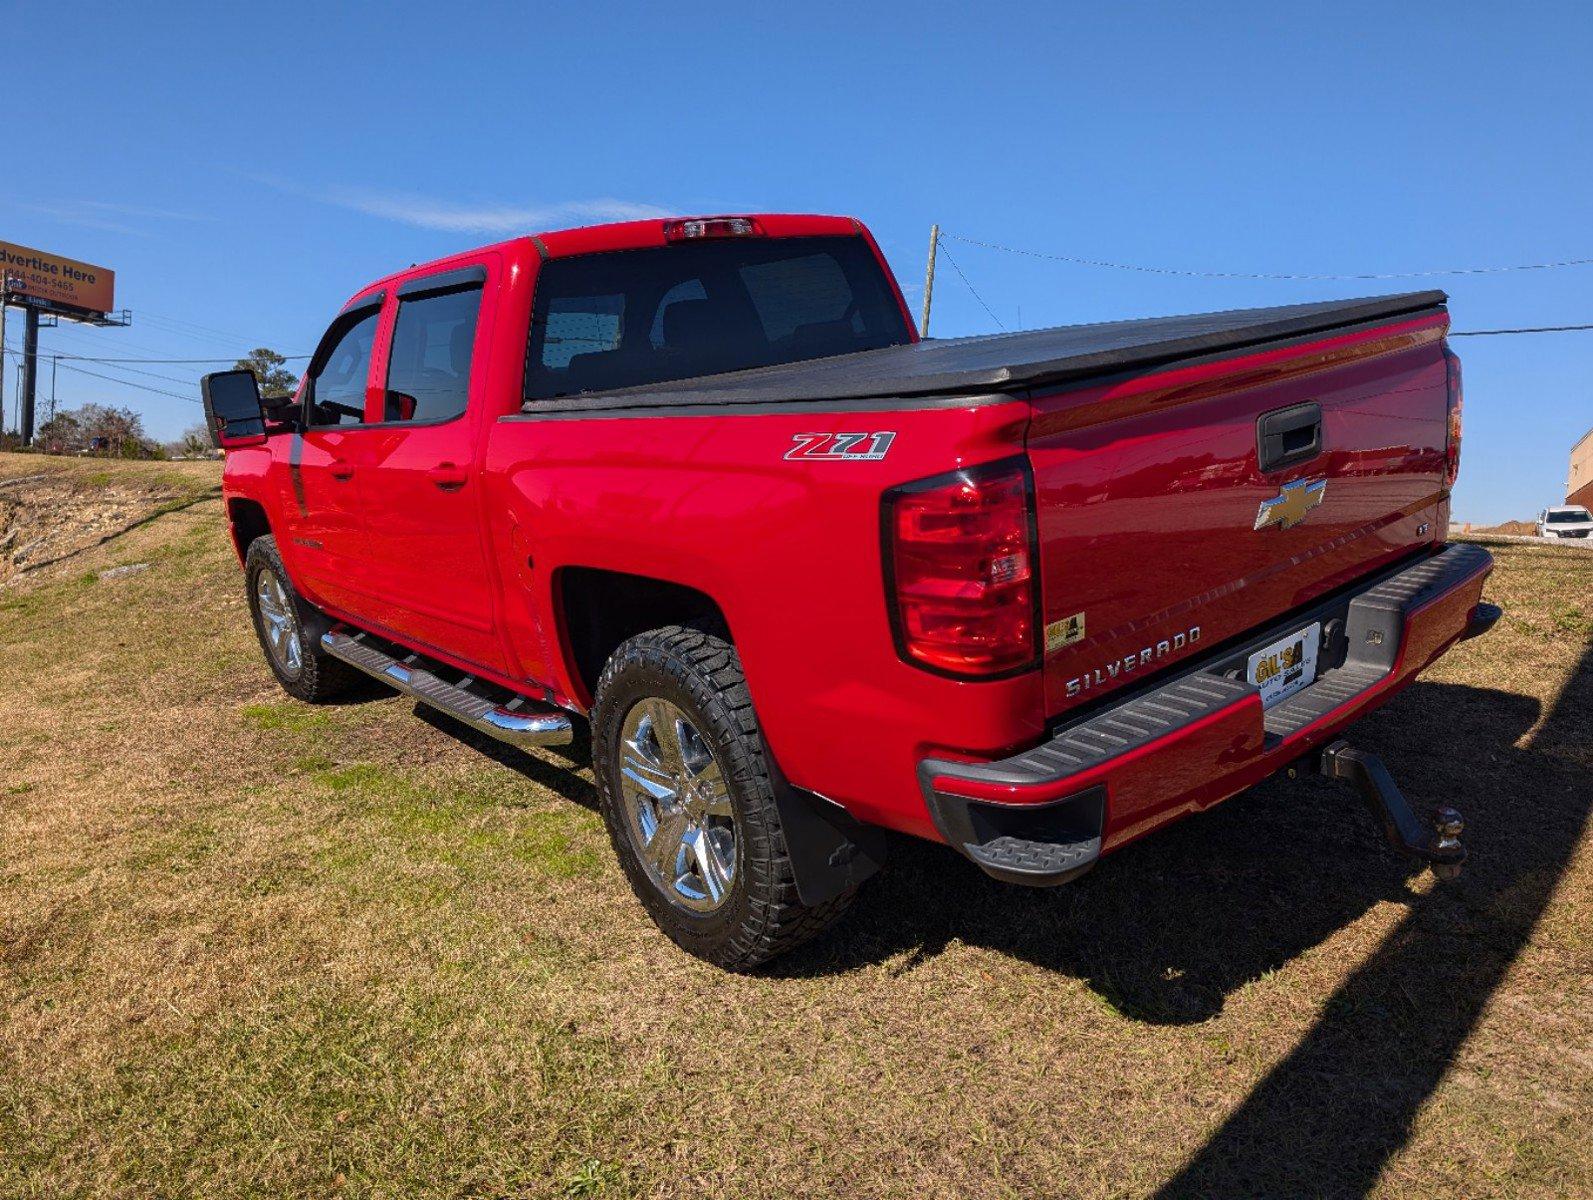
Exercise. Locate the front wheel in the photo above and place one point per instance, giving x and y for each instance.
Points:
(302, 668)
(688, 801)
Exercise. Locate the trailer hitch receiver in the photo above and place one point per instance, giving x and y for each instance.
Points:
(1437, 842)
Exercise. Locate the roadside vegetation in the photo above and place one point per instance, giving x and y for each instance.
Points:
(250, 948)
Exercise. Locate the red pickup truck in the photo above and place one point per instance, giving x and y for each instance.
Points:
(809, 578)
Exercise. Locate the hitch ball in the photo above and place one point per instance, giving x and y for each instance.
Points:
(1448, 825)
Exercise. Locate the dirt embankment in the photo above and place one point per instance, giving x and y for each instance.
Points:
(52, 509)
(1507, 529)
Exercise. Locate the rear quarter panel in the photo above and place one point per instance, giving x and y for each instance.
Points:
(789, 549)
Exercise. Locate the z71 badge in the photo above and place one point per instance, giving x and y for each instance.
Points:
(851, 447)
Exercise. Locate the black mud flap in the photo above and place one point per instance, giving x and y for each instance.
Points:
(831, 850)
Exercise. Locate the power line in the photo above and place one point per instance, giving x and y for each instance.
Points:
(77, 338)
(18, 354)
(230, 335)
(195, 331)
(1117, 266)
(129, 383)
(1537, 329)
(226, 359)
(167, 327)
(970, 286)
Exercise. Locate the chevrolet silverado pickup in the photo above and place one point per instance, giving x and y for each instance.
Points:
(698, 488)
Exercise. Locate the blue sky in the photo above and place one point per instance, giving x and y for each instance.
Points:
(243, 170)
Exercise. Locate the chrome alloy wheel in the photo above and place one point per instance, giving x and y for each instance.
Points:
(677, 805)
(279, 622)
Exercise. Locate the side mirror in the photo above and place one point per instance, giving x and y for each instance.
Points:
(233, 411)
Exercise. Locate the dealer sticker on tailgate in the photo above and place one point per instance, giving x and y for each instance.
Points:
(1286, 666)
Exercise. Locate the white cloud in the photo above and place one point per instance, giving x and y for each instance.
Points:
(451, 216)
(103, 214)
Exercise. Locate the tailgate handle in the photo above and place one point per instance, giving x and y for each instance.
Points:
(1287, 436)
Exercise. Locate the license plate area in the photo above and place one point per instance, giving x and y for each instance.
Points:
(1286, 666)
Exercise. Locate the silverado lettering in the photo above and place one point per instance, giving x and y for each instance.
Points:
(1132, 662)
(589, 479)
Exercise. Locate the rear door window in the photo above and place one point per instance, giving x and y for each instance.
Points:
(634, 317)
(428, 369)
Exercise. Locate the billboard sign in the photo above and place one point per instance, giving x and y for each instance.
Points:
(60, 283)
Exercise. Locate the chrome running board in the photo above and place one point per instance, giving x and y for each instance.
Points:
(520, 722)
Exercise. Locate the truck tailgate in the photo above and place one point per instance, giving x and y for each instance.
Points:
(1164, 527)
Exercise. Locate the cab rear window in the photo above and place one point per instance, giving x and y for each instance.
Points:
(635, 317)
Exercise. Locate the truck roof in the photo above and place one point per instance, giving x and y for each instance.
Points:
(640, 235)
(996, 363)
(620, 235)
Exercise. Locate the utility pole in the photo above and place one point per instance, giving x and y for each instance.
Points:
(5, 300)
(30, 372)
(929, 280)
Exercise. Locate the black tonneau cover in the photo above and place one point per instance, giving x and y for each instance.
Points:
(994, 363)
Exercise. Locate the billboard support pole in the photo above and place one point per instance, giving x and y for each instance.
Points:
(30, 372)
(5, 302)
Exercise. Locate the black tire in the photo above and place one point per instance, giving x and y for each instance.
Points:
(316, 676)
(760, 915)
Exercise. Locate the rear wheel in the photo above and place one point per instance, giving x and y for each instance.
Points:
(677, 806)
(289, 628)
(688, 801)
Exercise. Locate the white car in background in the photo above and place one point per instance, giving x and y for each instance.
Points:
(1565, 521)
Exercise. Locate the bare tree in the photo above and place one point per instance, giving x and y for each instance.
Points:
(194, 443)
(62, 433)
(97, 428)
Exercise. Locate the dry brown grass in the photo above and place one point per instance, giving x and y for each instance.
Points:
(253, 948)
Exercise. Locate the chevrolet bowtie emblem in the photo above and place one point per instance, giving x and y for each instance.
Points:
(1291, 504)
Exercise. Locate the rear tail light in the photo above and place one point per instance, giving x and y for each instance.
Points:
(711, 227)
(1452, 418)
(960, 561)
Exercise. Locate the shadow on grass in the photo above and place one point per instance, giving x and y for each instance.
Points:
(361, 689)
(559, 778)
(163, 510)
(1326, 1120)
(1166, 929)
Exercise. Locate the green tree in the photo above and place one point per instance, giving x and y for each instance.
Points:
(271, 369)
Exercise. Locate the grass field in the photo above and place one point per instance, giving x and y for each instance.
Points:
(251, 948)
